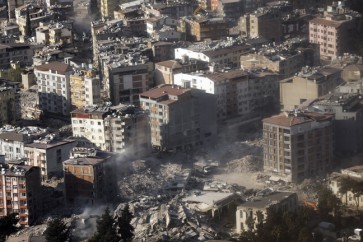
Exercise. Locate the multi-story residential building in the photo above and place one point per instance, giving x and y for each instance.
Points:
(202, 28)
(264, 23)
(238, 92)
(178, 117)
(171, 8)
(286, 201)
(12, 5)
(54, 87)
(85, 88)
(348, 121)
(7, 104)
(165, 70)
(223, 54)
(298, 145)
(54, 34)
(89, 177)
(162, 51)
(230, 9)
(104, 30)
(48, 154)
(309, 84)
(37, 15)
(115, 129)
(124, 78)
(333, 31)
(107, 8)
(20, 192)
(15, 53)
(13, 139)
(286, 59)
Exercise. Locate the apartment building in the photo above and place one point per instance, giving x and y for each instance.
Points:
(222, 54)
(308, 84)
(170, 8)
(202, 28)
(115, 129)
(107, 8)
(333, 32)
(353, 72)
(15, 53)
(36, 13)
(54, 87)
(7, 104)
(13, 139)
(20, 192)
(286, 201)
(298, 145)
(48, 154)
(265, 23)
(165, 70)
(12, 5)
(55, 34)
(238, 92)
(348, 121)
(286, 59)
(230, 9)
(85, 88)
(178, 117)
(89, 178)
(124, 79)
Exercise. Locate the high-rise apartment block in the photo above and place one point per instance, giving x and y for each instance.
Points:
(178, 117)
(54, 87)
(298, 145)
(114, 129)
(85, 88)
(334, 31)
(264, 23)
(89, 177)
(20, 192)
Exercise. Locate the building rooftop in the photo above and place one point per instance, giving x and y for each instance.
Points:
(48, 142)
(267, 201)
(228, 75)
(87, 156)
(164, 90)
(58, 67)
(297, 118)
(15, 170)
(328, 22)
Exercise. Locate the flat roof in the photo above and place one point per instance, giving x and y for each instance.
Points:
(291, 120)
(263, 202)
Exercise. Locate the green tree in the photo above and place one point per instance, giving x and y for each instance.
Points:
(106, 231)
(7, 225)
(57, 231)
(28, 27)
(124, 224)
(328, 202)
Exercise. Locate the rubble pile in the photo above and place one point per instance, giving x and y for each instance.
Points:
(29, 105)
(249, 163)
(149, 181)
(161, 218)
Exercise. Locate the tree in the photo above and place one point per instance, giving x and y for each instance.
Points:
(28, 27)
(328, 202)
(106, 231)
(124, 224)
(7, 225)
(57, 231)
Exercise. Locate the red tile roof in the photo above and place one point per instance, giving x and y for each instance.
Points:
(163, 90)
(59, 67)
